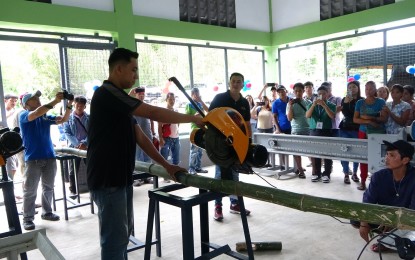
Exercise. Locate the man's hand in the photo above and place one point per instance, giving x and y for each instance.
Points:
(82, 147)
(198, 120)
(364, 231)
(58, 97)
(173, 169)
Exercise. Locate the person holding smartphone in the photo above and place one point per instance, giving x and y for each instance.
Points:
(273, 89)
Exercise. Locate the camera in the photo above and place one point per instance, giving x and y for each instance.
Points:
(271, 84)
(296, 100)
(67, 95)
(319, 97)
(261, 103)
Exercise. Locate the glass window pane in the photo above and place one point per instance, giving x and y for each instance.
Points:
(360, 56)
(301, 64)
(249, 64)
(209, 72)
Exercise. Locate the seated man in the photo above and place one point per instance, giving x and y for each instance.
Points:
(393, 186)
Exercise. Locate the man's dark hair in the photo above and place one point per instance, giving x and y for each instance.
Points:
(80, 99)
(309, 83)
(410, 89)
(298, 85)
(237, 74)
(398, 87)
(322, 87)
(121, 55)
(194, 90)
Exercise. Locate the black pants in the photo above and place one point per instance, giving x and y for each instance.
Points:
(328, 163)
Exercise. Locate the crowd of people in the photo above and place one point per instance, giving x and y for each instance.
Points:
(120, 128)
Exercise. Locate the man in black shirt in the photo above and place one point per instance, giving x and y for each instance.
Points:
(231, 98)
(112, 137)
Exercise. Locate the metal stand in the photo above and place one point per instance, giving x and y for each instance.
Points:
(186, 204)
(11, 210)
(135, 243)
(75, 203)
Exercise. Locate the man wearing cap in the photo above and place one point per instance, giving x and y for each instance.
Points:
(393, 186)
(39, 154)
(279, 111)
(9, 104)
(76, 132)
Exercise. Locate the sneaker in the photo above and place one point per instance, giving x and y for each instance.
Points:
(192, 172)
(316, 178)
(148, 180)
(28, 225)
(50, 216)
(235, 209)
(218, 216)
(73, 195)
(355, 178)
(325, 179)
(200, 170)
(346, 179)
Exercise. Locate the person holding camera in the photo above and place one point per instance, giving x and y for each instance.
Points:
(296, 109)
(76, 132)
(321, 113)
(39, 153)
(265, 120)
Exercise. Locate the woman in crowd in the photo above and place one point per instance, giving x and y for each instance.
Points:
(253, 120)
(383, 92)
(262, 111)
(349, 129)
(370, 116)
(397, 110)
(408, 97)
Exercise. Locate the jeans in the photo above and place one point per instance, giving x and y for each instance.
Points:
(195, 157)
(140, 155)
(173, 145)
(226, 174)
(345, 164)
(36, 169)
(116, 220)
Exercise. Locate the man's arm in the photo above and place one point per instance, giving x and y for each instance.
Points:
(165, 115)
(42, 110)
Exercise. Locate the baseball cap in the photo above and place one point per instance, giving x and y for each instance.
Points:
(28, 96)
(281, 87)
(404, 148)
(9, 96)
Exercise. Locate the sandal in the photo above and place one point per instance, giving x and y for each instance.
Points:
(379, 247)
(355, 178)
(301, 175)
(346, 179)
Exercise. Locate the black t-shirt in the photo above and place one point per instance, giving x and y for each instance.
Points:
(225, 100)
(111, 137)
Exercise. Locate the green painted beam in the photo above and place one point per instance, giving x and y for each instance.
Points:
(389, 13)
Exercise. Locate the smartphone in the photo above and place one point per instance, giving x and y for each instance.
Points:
(320, 97)
(261, 103)
(349, 93)
(271, 84)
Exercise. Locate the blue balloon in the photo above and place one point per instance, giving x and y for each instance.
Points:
(95, 88)
(412, 70)
(356, 76)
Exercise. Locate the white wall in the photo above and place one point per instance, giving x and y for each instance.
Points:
(103, 5)
(166, 9)
(286, 14)
(252, 15)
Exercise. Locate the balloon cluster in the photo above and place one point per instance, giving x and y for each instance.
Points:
(411, 69)
(247, 85)
(353, 78)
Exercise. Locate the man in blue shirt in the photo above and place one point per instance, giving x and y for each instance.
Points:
(39, 154)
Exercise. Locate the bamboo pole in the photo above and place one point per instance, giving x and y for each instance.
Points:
(391, 216)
